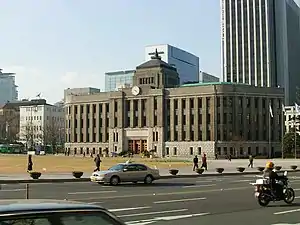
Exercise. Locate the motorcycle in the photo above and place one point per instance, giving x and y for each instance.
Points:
(265, 194)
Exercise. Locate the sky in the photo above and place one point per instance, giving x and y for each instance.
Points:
(52, 45)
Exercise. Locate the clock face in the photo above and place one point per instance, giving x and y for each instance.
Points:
(135, 90)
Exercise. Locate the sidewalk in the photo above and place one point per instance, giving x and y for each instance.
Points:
(229, 167)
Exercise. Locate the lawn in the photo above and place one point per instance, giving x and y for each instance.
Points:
(14, 164)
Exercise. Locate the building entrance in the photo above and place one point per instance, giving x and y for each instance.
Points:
(137, 146)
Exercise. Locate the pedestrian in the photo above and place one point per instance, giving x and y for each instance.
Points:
(250, 161)
(204, 162)
(196, 161)
(216, 156)
(29, 164)
(97, 161)
(229, 157)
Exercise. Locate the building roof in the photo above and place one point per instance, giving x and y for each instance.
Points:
(119, 72)
(211, 83)
(34, 205)
(155, 62)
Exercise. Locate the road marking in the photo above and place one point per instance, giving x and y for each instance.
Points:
(94, 203)
(297, 189)
(195, 186)
(240, 181)
(179, 200)
(286, 212)
(204, 181)
(151, 213)
(165, 218)
(162, 194)
(90, 192)
(8, 190)
(128, 209)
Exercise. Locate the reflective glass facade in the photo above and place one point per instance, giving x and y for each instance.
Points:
(118, 79)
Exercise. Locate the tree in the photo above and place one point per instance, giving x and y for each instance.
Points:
(289, 142)
(52, 134)
(297, 95)
(27, 134)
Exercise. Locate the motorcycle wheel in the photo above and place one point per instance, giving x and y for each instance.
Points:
(289, 196)
(263, 200)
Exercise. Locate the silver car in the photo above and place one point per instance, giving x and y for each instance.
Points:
(126, 172)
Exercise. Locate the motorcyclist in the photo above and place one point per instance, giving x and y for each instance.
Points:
(273, 176)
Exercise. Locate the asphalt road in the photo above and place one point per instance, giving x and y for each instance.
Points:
(207, 200)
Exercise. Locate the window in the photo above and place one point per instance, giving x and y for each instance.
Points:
(199, 150)
(167, 151)
(141, 167)
(175, 151)
(191, 151)
(78, 218)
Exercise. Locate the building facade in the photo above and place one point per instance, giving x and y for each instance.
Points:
(8, 88)
(290, 112)
(118, 79)
(260, 43)
(206, 78)
(186, 63)
(42, 124)
(155, 114)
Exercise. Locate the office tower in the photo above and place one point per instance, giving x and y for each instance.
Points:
(8, 88)
(186, 63)
(118, 79)
(259, 47)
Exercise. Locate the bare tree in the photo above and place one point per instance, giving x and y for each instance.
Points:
(28, 134)
(51, 134)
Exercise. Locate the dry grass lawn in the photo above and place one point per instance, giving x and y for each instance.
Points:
(14, 164)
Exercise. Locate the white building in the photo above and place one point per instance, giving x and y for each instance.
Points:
(42, 124)
(290, 112)
(186, 63)
(8, 88)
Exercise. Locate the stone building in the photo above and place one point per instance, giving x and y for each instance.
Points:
(177, 121)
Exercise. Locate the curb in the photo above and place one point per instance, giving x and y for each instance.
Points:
(165, 177)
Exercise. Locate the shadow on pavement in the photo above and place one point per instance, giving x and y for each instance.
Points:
(152, 185)
(296, 204)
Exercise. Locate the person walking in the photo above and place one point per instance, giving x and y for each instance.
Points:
(29, 164)
(97, 161)
(196, 161)
(250, 161)
(204, 162)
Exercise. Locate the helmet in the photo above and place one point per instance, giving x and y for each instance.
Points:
(270, 165)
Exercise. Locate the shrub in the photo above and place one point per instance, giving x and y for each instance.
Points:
(173, 171)
(260, 168)
(199, 170)
(294, 167)
(278, 167)
(220, 170)
(240, 169)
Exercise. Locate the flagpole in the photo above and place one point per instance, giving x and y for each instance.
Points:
(270, 114)
(282, 130)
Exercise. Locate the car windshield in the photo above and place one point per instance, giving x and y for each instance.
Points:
(118, 167)
(84, 218)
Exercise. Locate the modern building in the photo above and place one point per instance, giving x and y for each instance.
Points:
(260, 44)
(118, 79)
(290, 112)
(206, 78)
(186, 63)
(42, 124)
(155, 114)
(81, 91)
(8, 88)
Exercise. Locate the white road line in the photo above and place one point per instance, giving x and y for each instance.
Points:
(152, 213)
(297, 189)
(90, 192)
(286, 212)
(240, 181)
(297, 197)
(8, 190)
(195, 186)
(128, 209)
(165, 218)
(204, 181)
(94, 203)
(179, 200)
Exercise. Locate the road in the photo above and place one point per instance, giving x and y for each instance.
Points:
(206, 200)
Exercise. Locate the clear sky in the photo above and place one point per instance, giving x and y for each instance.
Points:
(58, 44)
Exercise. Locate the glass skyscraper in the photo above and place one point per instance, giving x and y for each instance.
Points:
(118, 79)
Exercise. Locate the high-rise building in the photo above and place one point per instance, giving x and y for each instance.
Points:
(260, 43)
(118, 79)
(8, 88)
(207, 78)
(186, 63)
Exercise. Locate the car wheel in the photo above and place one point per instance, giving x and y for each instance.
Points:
(148, 179)
(114, 180)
